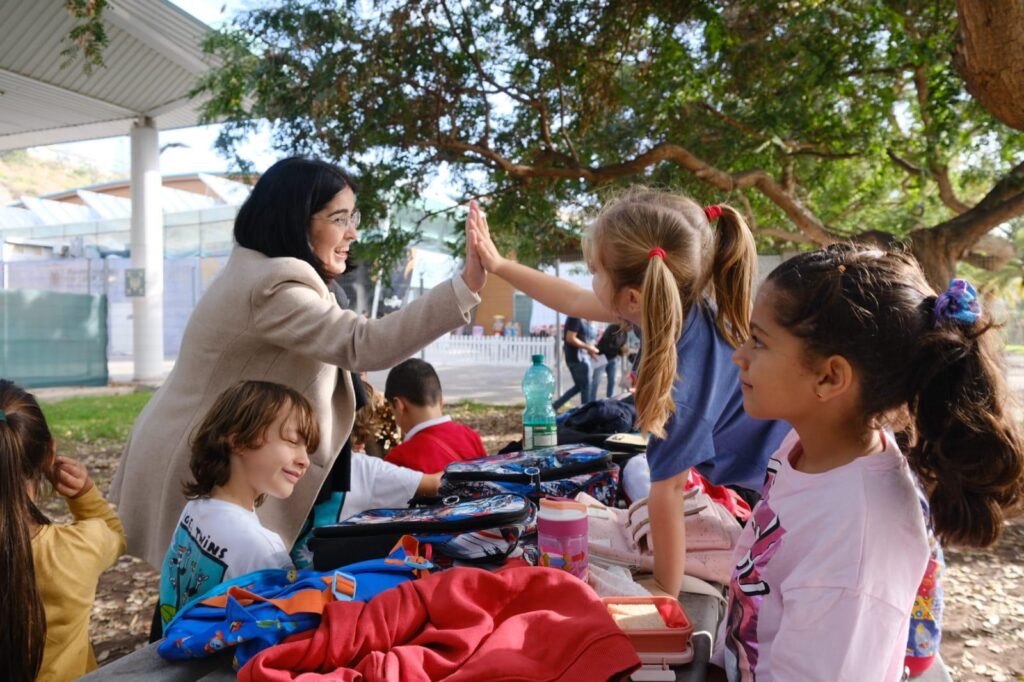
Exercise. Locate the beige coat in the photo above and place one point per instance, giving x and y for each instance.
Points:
(271, 319)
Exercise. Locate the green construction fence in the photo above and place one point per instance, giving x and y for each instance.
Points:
(48, 338)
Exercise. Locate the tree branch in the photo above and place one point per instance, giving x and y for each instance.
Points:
(940, 174)
(792, 146)
(749, 210)
(991, 252)
(904, 164)
(1003, 202)
(937, 172)
(779, 233)
(561, 119)
(802, 217)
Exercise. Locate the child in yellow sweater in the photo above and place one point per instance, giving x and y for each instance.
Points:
(50, 571)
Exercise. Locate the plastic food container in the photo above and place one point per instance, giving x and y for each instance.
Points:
(670, 642)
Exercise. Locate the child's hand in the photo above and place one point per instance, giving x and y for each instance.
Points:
(479, 235)
(474, 274)
(70, 477)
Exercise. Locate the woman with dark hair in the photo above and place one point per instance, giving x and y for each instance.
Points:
(270, 315)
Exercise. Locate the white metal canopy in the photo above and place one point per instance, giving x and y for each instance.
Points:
(151, 63)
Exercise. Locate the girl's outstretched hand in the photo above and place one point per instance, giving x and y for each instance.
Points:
(70, 477)
(479, 235)
(473, 274)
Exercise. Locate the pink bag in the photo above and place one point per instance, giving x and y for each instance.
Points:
(622, 536)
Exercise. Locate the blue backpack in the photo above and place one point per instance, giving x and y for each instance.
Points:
(260, 609)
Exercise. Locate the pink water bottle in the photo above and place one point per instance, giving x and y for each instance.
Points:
(562, 535)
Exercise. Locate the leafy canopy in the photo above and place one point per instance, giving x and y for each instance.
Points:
(820, 119)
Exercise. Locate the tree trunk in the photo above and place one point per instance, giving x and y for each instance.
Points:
(990, 56)
(937, 256)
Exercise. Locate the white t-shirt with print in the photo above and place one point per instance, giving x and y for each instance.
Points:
(214, 541)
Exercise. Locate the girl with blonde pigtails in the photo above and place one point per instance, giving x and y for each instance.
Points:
(683, 276)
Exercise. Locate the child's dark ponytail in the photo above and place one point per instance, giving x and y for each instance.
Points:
(967, 447)
(25, 447)
(936, 356)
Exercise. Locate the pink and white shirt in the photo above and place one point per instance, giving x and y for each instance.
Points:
(826, 572)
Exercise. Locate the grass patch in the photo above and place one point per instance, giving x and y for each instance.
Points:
(1015, 348)
(92, 419)
(473, 407)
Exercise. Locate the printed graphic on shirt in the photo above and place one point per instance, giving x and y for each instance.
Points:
(324, 514)
(926, 616)
(747, 588)
(194, 564)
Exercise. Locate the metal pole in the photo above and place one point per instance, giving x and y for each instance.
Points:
(380, 273)
(147, 235)
(423, 351)
(558, 339)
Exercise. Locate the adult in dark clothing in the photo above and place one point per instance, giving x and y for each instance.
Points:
(579, 348)
(610, 345)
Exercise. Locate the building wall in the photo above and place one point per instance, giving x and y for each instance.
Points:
(495, 299)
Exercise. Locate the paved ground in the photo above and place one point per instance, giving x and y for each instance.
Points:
(482, 383)
(490, 384)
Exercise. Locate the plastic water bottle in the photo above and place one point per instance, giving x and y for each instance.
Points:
(539, 430)
(562, 536)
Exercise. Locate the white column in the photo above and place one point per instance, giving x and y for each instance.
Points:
(147, 251)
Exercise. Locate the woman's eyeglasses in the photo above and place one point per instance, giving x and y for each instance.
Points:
(347, 222)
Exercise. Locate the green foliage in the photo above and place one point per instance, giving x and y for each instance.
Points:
(90, 419)
(539, 108)
(89, 36)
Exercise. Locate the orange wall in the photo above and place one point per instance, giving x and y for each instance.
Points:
(495, 299)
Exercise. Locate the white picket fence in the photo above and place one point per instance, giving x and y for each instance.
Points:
(490, 350)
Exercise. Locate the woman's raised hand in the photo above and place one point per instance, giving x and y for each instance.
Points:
(479, 234)
(473, 274)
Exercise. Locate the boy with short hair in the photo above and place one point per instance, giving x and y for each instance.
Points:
(254, 441)
(432, 440)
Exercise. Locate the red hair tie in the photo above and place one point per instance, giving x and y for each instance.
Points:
(656, 251)
(713, 212)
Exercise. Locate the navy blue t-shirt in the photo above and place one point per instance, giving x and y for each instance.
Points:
(710, 430)
(583, 332)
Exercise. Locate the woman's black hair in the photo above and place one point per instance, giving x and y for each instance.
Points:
(876, 309)
(274, 219)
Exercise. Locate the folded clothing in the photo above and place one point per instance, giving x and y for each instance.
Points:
(622, 536)
(459, 625)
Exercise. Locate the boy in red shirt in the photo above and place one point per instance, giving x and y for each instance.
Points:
(431, 440)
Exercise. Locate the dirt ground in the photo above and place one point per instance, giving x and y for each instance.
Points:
(984, 590)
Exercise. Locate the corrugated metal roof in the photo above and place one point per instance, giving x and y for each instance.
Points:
(176, 200)
(106, 205)
(98, 206)
(17, 217)
(151, 63)
(58, 212)
(230, 191)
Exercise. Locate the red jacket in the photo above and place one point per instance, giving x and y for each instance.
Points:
(433, 448)
(463, 624)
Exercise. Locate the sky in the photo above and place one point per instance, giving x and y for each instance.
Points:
(198, 154)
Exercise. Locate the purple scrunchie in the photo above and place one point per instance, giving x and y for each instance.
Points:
(959, 302)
